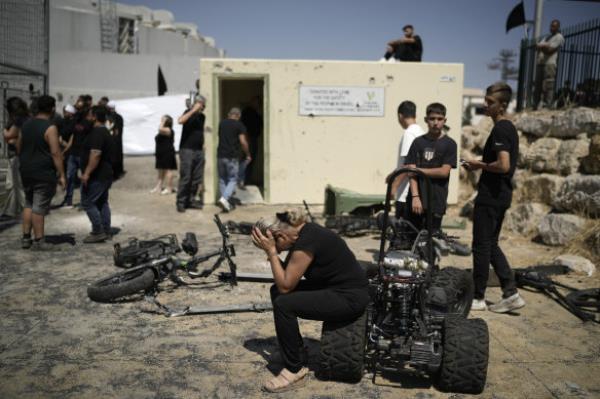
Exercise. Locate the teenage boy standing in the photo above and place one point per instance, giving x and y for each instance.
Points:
(435, 155)
(494, 195)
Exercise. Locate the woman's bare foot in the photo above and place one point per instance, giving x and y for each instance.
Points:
(286, 380)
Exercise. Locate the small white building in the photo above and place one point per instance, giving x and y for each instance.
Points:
(326, 122)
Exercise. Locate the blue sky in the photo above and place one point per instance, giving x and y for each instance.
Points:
(466, 31)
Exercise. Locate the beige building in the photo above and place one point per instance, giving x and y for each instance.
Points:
(326, 122)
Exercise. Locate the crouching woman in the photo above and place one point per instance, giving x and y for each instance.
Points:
(334, 286)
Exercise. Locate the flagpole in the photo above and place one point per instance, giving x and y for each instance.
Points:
(539, 9)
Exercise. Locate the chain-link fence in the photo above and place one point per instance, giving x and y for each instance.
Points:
(24, 46)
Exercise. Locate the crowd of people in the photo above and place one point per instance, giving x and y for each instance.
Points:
(82, 147)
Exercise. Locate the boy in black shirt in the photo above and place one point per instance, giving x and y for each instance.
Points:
(434, 154)
(494, 194)
(96, 155)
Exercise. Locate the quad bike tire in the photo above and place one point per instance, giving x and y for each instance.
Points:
(465, 356)
(120, 285)
(343, 350)
(459, 289)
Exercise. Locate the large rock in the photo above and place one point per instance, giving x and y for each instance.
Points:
(576, 263)
(542, 155)
(590, 165)
(467, 138)
(570, 154)
(559, 228)
(561, 124)
(523, 149)
(579, 193)
(540, 188)
(593, 240)
(518, 180)
(470, 177)
(524, 218)
(480, 134)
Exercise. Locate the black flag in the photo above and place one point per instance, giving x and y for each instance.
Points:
(162, 83)
(516, 17)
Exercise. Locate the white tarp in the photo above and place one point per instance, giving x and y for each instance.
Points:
(141, 119)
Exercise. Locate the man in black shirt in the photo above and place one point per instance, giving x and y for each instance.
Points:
(434, 154)
(191, 156)
(407, 48)
(494, 195)
(116, 122)
(97, 175)
(81, 128)
(232, 143)
(40, 159)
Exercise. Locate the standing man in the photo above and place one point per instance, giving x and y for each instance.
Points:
(407, 48)
(407, 113)
(97, 175)
(494, 196)
(81, 128)
(435, 155)
(40, 160)
(545, 72)
(232, 143)
(191, 156)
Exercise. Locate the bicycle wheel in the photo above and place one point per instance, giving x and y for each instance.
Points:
(120, 285)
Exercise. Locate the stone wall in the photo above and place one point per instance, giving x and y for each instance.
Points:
(557, 183)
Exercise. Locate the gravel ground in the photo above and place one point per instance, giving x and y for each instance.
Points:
(56, 343)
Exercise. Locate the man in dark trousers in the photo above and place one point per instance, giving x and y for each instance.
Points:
(407, 48)
(232, 144)
(435, 154)
(97, 175)
(191, 156)
(40, 161)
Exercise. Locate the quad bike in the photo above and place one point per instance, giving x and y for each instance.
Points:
(158, 262)
(417, 320)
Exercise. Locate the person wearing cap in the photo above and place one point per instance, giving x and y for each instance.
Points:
(191, 156)
(334, 287)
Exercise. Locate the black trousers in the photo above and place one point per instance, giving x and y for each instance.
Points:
(191, 175)
(487, 224)
(311, 303)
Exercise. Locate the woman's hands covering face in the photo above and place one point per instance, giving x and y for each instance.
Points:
(264, 242)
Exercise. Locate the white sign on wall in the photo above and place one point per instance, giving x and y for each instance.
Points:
(342, 101)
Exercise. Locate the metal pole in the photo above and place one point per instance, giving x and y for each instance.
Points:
(539, 8)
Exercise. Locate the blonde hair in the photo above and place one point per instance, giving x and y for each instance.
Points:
(290, 217)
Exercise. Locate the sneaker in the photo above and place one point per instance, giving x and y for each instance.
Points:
(511, 303)
(196, 205)
(224, 204)
(166, 191)
(155, 190)
(478, 304)
(180, 208)
(94, 238)
(26, 243)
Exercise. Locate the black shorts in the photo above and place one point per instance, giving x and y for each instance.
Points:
(38, 196)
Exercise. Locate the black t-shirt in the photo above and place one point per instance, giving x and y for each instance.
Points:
(36, 164)
(229, 138)
(410, 51)
(192, 133)
(81, 128)
(65, 130)
(334, 264)
(496, 188)
(428, 153)
(98, 139)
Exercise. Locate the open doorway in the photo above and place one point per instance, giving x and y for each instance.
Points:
(247, 95)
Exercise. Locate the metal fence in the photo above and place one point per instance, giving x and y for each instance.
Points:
(578, 68)
(24, 51)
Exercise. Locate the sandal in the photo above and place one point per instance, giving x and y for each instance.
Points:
(286, 381)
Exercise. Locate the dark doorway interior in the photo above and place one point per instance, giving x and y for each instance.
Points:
(248, 95)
